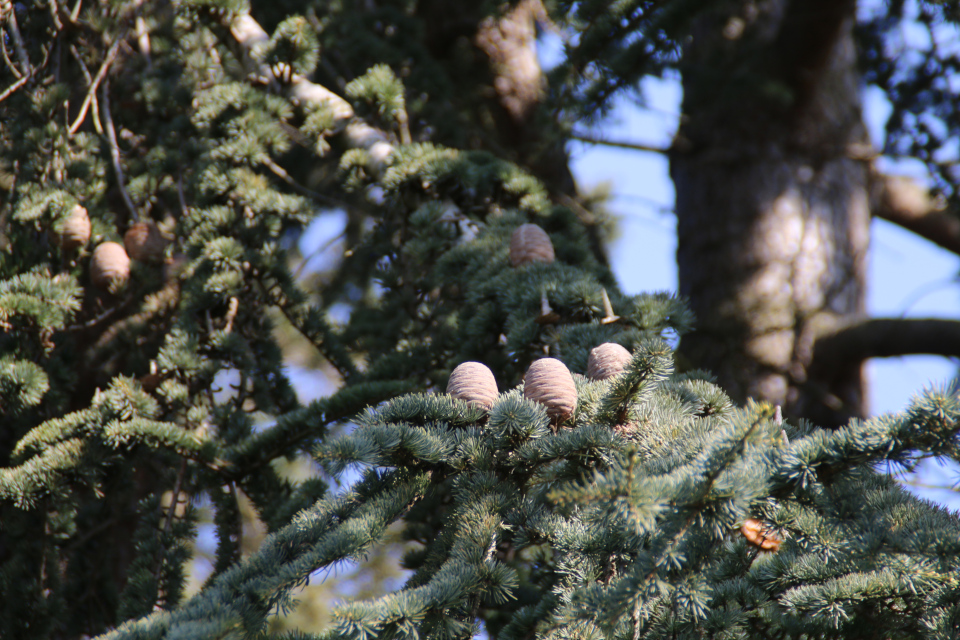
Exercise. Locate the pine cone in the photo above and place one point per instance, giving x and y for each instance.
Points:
(548, 381)
(75, 231)
(144, 242)
(109, 266)
(474, 383)
(758, 534)
(607, 360)
(530, 243)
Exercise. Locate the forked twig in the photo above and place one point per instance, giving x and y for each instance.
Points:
(115, 151)
(101, 74)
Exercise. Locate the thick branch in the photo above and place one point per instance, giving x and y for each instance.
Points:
(357, 134)
(904, 202)
(886, 338)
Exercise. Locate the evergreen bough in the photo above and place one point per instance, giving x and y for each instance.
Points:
(622, 521)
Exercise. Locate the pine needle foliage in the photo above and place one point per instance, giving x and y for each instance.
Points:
(125, 406)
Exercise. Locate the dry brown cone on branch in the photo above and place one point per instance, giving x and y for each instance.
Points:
(607, 360)
(760, 535)
(144, 242)
(75, 231)
(109, 267)
(548, 381)
(529, 243)
(474, 383)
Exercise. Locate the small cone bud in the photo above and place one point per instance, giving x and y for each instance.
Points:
(75, 231)
(547, 315)
(607, 360)
(474, 383)
(548, 381)
(144, 242)
(109, 266)
(608, 314)
(760, 535)
(530, 243)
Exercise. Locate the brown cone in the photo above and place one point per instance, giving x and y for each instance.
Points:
(109, 266)
(144, 242)
(530, 243)
(607, 360)
(474, 383)
(75, 231)
(758, 534)
(548, 381)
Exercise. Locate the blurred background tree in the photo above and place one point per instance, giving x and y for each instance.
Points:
(159, 161)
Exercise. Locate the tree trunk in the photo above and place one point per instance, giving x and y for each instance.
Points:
(772, 201)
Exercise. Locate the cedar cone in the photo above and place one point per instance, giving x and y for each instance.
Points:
(607, 360)
(144, 242)
(759, 535)
(530, 243)
(548, 381)
(474, 383)
(109, 266)
(75, 231)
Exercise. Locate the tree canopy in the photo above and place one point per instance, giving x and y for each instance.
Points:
(158, 161)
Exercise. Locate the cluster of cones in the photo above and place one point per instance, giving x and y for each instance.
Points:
(547, 381)
(110, 262)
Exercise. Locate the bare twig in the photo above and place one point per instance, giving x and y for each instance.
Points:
(320, 249)
(115, 151)
(7, 60)
(13, 88)
(143, 38)
(281, 173)
(34, 71)
(634, 146)
(89, 79)
(181, 196)
(55, 14)
(25, 65)
(924, 485)
(92, 91)
(231, 314)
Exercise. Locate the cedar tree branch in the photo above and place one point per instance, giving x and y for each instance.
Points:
(357, 134)
(902, 201)
(622, 144)
(885, 338)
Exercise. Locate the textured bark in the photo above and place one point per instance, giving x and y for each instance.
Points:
(772, 205)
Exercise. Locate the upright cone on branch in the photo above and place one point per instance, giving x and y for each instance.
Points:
(530, 243)
(109, 266)
(75, 231)
(607, 360)
(144, 242)
(474, 383)
(548, 381)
